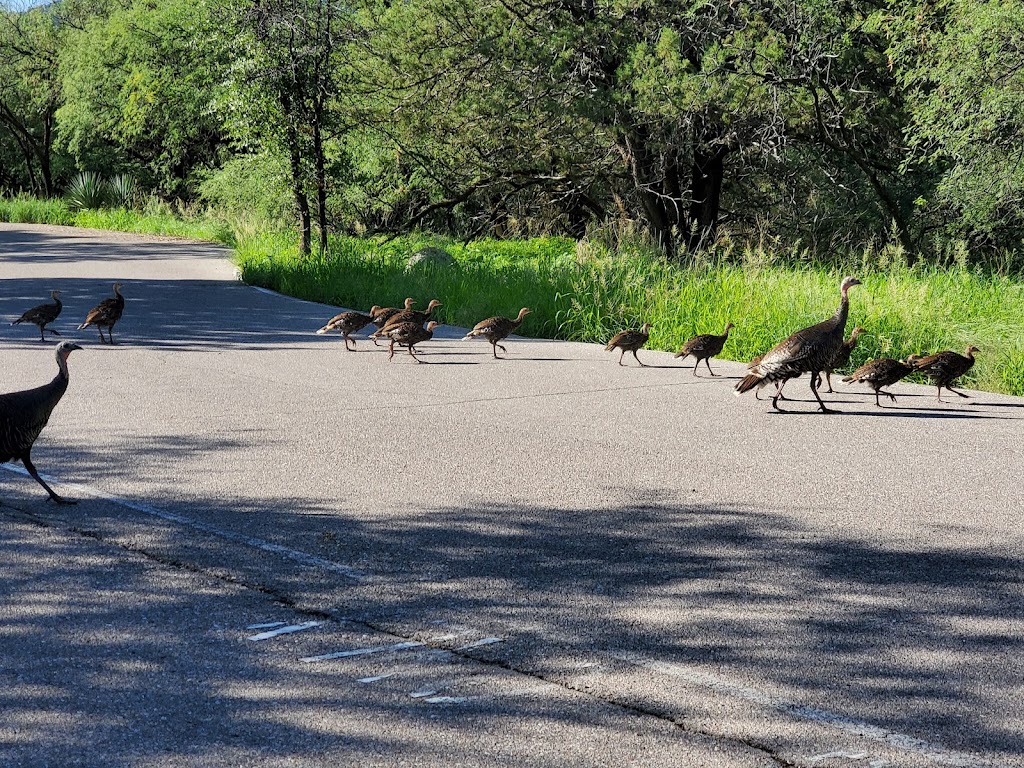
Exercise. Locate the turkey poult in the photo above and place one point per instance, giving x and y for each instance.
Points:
(630, 341)
(24, 414)
(494, 329)
(946, 367)
(409, 334)
(881, 372)
(842, 356)
(809, 350)
(408, 316)
(105, 314)
(704, 347)
(346, 323)
(42, 315)
(383, 314)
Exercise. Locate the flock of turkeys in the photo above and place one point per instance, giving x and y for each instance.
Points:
(817, 349)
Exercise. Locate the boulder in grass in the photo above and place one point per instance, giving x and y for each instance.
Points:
(430, 256)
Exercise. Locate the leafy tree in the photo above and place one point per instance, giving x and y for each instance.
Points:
(29, 97)
(962, 63)
(138, 83)
(285, 92)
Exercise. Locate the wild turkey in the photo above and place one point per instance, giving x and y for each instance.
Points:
(348, 322)
(946, 367)
(383, 314)
(24, 414)
(43, 315)
(751, 366)
(409, 334)
(881, 372)
(408, 316)
(629, 341)
(809, 350)
(105, 314)
(704, 347)
(494, 329)
(842, 356)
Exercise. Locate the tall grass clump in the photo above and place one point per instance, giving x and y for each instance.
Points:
(25, 209)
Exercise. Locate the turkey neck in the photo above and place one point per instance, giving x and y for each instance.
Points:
(839, 318)
(57, 387)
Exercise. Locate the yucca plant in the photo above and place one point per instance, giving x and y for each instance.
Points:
(122, 191)
(86, 191)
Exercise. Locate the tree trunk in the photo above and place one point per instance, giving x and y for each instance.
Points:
(320, 165)
(707, 174)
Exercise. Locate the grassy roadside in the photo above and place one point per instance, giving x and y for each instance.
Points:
(154, 220)
(586, 291)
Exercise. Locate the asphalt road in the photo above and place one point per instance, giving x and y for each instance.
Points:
(599, 565)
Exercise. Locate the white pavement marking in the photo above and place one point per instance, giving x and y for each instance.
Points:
(364, 651)
(448, 699)
(292, 554)
(268, 625)
(375, 678)
(424, 693)
(933, 752)
(286, 630)
(478, 643)
(838, 753)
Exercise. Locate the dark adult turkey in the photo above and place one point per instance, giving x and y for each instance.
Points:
(809, 350)
(24, 414)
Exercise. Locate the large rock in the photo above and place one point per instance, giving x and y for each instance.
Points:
(431, 256)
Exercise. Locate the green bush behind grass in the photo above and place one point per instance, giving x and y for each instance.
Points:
(587, 291)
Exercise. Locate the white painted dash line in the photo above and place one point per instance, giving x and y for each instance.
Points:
(933, 752)
(448, 699)
(423, 694)
(285, 630)
(479, 643)
(268, 625)
(364, 651)
(375, 678)
(303, 558)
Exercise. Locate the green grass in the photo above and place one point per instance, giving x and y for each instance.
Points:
(155, 219)
(585, 292)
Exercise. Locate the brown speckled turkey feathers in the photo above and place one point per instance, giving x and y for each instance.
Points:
(494, 329)
(809, 350)
(946, 367)
(409, 334)
(42, 315)
(346, 323)
(704, 347)
(629, 341)
(105, 315)
(881, 372)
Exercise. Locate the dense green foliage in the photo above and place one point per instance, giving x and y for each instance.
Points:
(812, 125)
